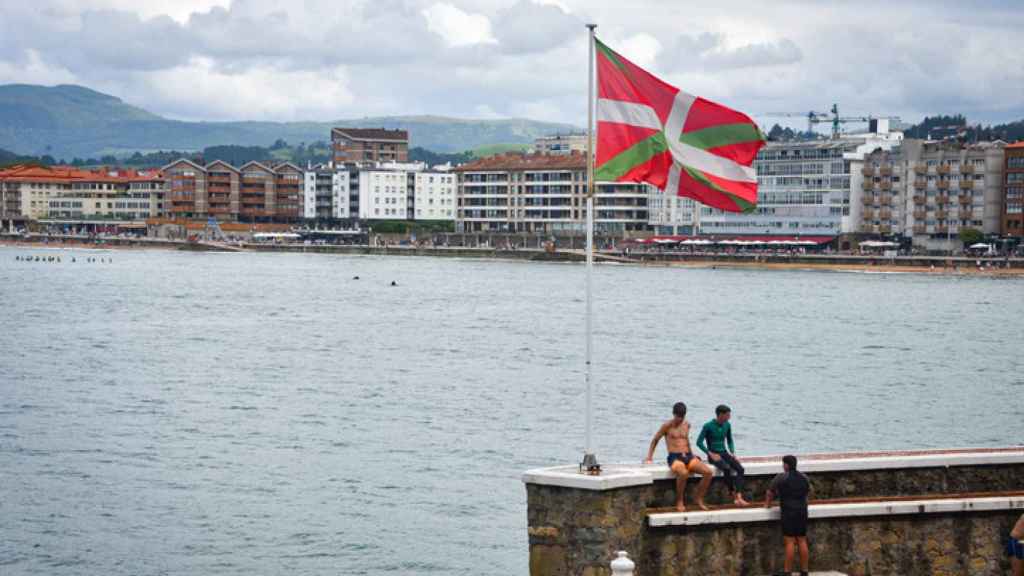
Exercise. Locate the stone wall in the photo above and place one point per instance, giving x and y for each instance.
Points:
(937, 545)
(575, 531)
(865, 483)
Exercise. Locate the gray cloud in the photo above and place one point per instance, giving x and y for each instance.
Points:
(707, 51)
(341, 58)
(527, 27)
(779, 53)
(122, 40)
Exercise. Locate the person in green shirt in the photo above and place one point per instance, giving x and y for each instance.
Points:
(715, 440)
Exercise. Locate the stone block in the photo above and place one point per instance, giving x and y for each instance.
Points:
(548, 560)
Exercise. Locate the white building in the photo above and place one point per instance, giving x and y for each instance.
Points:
(434, 196)
(670, 213)
(544, 194)
(804, 188)
(384, 194)
(326, 194)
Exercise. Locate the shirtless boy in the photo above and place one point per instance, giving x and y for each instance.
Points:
(680, 457)
(1015, 548)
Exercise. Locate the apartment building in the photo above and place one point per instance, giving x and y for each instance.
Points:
(543, 193)
(66, 193)
(386, 194)
(327, 194)
(885, 207)
(561, 144)
(804, 188)
(434, 196)
(669, 213)
(223, 188)
(1013, 191)
(254, 192)
(955, 186)
(186, 195)
(369, 145)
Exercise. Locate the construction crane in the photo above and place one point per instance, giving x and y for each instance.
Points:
(832, 117)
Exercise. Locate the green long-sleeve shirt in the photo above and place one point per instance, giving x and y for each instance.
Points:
(714, 436)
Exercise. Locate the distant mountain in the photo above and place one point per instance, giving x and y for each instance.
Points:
(67, 121)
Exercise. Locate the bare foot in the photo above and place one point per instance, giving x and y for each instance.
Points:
(680, 507)
(740, 501)
(702, 505)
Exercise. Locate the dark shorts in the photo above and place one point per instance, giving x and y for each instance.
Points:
(794, 523)
(686, 458)
(1015, 548)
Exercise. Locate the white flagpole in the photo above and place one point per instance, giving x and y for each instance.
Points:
(589, 459)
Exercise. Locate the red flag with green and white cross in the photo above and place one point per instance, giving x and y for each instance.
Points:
(649, 131)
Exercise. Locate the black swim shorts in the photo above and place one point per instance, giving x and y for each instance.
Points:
(794, 522)
(686, 458)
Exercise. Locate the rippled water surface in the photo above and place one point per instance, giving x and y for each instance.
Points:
(261, 414)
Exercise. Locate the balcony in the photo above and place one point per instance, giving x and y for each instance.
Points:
(868, 199)
(920, 200)
(886, 184)
(919, 228)
(868, 185)
(885, 214)
(943, 169)
(943, 229)
(886, 200)
(941, 214)
(920, 215)
(965, 199)
(967, 169)
(886, 170)
(219, 209)
(885, 229)
(920, 169)
(942, 184)
(867, 228)
(255, 212)
(967, 184)
(966, 214)
(868, 170)
(868, 214)
(920, 184)
(942, 199)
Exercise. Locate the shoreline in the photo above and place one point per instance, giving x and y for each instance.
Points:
(858, 264)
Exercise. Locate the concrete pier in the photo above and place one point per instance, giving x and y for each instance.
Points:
(941, 512)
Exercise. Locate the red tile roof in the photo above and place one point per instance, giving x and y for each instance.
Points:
(22, 173)
(1016, 145)
(516, 161)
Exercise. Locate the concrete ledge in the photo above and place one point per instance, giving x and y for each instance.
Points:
(611, 477)
(625, 475)
(951, 505)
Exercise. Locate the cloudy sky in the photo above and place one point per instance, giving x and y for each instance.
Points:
(331, 59)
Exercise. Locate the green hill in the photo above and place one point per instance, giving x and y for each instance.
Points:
(68, 121)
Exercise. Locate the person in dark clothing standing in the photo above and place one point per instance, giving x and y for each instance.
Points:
(792, 489)
(715, 440)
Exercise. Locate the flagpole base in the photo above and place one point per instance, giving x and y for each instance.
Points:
(590, 465)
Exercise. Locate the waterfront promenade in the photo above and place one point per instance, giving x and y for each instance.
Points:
(993, 266)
